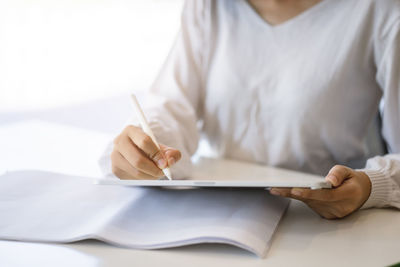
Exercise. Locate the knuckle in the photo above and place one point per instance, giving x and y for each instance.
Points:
(135, 161)
(337, 168)
(139, 162)
(117, 140)
(342, 170)
(129, 128)
(121, 141)
(178, 155)
(156, 155)
(144, 141)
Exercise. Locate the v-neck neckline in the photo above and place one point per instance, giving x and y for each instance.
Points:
(264, 23)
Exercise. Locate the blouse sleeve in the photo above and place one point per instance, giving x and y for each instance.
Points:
(384, 171)
(173, 103)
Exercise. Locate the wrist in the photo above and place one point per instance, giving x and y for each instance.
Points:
(366, 187)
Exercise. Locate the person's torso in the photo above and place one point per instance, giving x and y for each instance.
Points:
(298, 95)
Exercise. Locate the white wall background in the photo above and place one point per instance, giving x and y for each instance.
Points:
(62, 52)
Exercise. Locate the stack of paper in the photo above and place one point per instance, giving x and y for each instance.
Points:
(50, 207)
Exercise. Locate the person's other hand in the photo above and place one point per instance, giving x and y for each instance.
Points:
(350, 191)
(135, 156)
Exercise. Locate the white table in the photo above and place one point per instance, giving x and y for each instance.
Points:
(366, 238)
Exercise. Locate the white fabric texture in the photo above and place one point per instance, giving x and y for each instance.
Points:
(299, 95)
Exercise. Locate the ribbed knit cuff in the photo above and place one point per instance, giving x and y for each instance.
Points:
(380, 188)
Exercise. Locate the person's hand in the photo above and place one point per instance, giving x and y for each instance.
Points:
(350, 191)
(135, 156)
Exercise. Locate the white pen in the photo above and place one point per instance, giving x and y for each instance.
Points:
(147, 130)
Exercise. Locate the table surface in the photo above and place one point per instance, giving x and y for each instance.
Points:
(366, 238)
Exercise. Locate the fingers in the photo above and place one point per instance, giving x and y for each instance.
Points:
(351, 189)
(172, 155)
(324, 209)
(324, 195)
(136, 158)
(163, 157)
(338, 174)
(327, 207)
(124, 170)
(327, 195)
(146, 144)
(305, 194)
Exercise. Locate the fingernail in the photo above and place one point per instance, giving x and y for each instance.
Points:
(171, 161)
(161, 163)
(297, 192)
(332, 178)
(275, 192)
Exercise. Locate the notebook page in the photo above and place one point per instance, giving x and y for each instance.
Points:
(171, 217)
(50, 207)
(45, 206)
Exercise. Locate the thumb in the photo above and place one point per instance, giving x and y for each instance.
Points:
(171, 154)
(338, 174)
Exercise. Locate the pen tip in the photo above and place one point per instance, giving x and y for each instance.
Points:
(167, 173)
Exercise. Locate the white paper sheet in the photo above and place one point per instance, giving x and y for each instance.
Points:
(50, 207)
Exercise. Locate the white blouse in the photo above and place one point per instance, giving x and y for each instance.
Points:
(298, 95)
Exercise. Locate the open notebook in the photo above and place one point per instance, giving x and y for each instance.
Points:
(50, 207)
